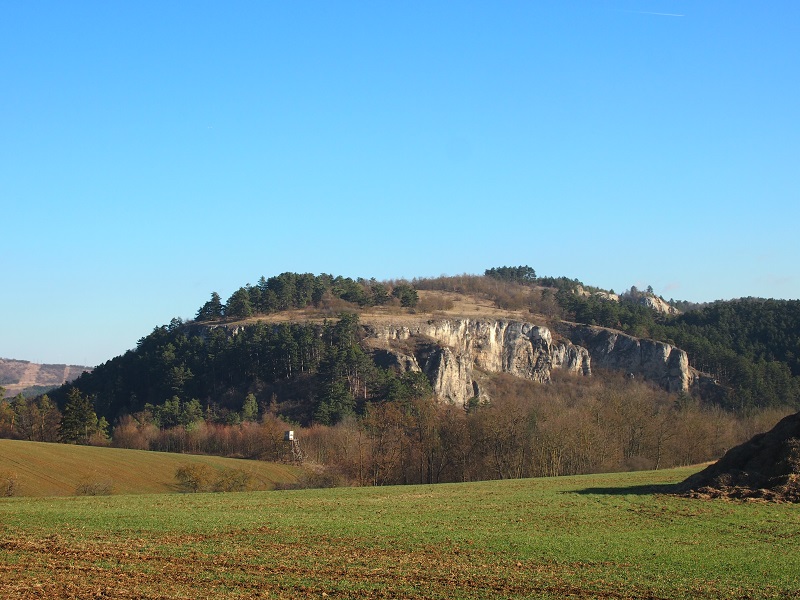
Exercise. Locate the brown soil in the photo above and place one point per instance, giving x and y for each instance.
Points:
(765, 468)
(255, 565)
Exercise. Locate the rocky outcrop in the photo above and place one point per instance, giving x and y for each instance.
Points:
(657, 304)
(649, 300)
(449, 350)
(655, 361)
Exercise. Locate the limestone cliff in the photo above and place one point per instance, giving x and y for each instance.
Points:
(449, 350)
(655, 361)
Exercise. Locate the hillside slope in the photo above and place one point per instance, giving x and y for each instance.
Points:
(43, 469)
(17, 376)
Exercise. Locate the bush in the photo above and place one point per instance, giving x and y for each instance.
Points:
(95, 486)
(316, 477)
(194, 478)
(233, 480)
(202, 478)
(8, 484)
(431, 304)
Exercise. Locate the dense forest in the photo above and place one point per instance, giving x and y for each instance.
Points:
(208, 385)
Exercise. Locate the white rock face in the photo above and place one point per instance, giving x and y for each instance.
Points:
(655, 361)
(657, 304)
(457, 346)
(520, 349)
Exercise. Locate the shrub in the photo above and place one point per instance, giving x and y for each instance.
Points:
(194, 478)
(95, 486)
(8, 484)
(202, 478)
(316, 477)
(431, 304)
(233, 480)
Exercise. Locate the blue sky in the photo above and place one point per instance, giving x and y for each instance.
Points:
(154, 152)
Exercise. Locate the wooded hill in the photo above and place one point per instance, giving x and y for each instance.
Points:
(296, 330)
(289, 349)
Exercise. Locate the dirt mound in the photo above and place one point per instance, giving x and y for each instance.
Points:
(767, 467)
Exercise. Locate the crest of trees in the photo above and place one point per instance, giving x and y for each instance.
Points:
(522, 274)
(293, 290)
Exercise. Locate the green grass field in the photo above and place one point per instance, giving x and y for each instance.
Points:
(44, 469)
(599, 536)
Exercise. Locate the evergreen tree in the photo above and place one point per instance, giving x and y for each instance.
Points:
(239, 304)
(212, 309)
(406, 294)
(79, 421)
(250, 408)
(522, 274)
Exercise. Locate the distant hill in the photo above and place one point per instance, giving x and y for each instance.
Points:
(42, 469)
(31, 378)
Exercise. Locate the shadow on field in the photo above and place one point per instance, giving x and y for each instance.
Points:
(633, 490)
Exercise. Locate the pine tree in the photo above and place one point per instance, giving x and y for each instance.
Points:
(212, 309)
(79, 421)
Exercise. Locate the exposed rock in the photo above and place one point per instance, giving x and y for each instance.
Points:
(461, 345)
(388, 358)
(655, 361)
(450, 351)
(651, 301)
(767, 467)
(454, 347)
(583, 293)
(450, 375)
(607, 296)
(657, 304)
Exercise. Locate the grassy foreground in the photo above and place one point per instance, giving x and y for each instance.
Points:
(57, 469)
(600, 536)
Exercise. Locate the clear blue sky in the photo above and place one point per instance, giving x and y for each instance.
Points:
(154, 152)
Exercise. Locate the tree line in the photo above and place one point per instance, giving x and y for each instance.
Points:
(572, 426)
(294, 290)
(40, 420)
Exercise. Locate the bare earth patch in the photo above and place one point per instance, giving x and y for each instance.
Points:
(765, 468)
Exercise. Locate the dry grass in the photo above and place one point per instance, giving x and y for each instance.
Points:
(442, 304)
(43, 469)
